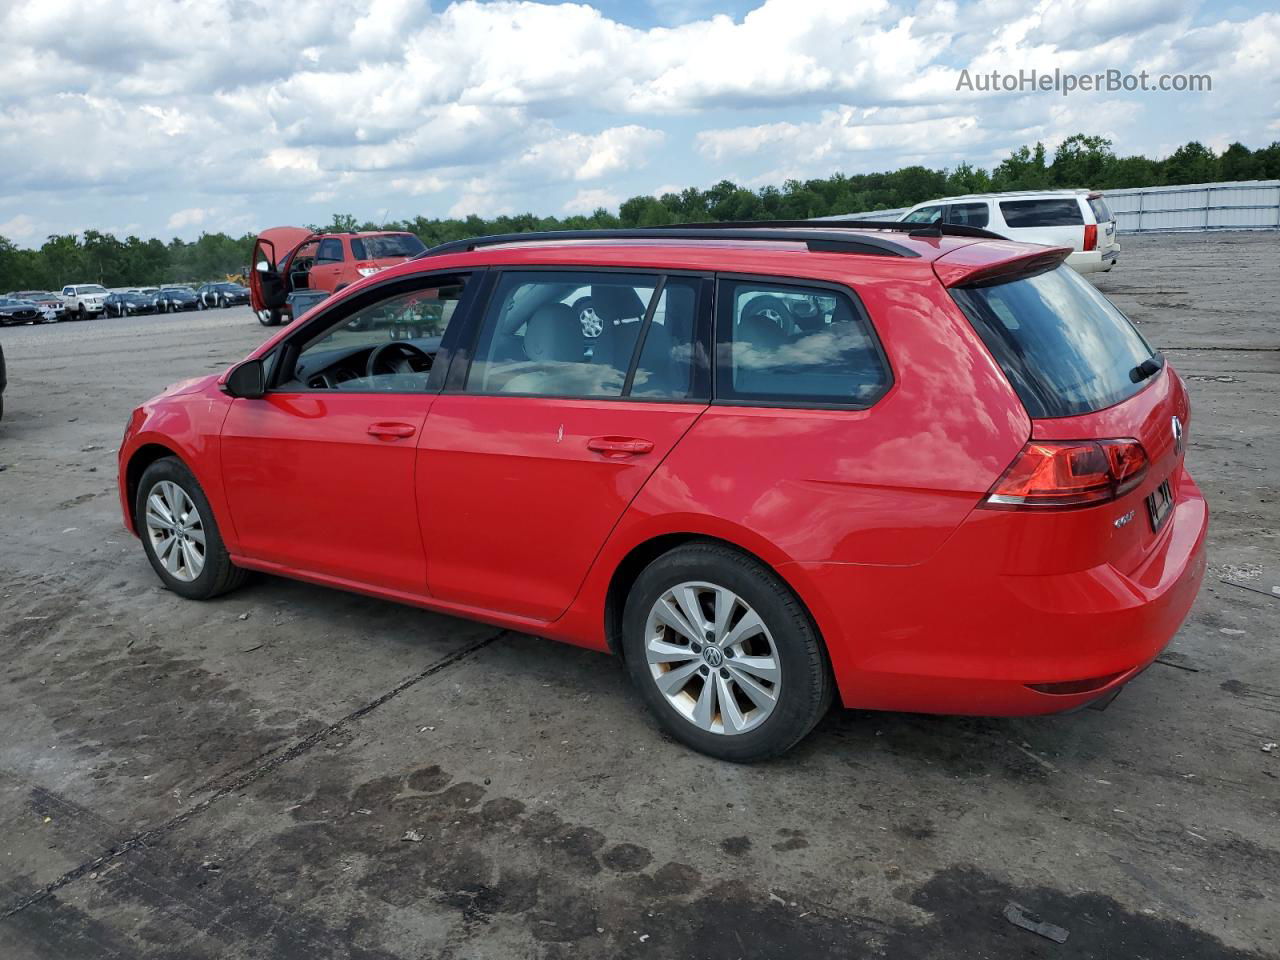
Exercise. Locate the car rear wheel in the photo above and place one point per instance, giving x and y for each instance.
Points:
(180, 535)
(200, 304)
(724, 654)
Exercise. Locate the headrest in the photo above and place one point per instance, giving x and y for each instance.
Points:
(616, 302)
(553, 334)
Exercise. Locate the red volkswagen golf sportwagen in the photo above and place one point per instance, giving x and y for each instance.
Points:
(924, 469)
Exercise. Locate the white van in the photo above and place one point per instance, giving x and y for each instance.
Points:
(1059, 218)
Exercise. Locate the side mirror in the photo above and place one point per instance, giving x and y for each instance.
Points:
(263, 267)
(248, 380)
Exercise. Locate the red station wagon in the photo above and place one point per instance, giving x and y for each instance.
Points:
(923, 469)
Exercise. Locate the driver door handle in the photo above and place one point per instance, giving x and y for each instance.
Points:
(618, 447)
(391, 431)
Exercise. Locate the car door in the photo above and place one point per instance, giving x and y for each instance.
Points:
(974, 213)
(329, 265)
(267, 290)
(536, 448)
(319, 472)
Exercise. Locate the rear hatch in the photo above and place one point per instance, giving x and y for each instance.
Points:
(374, 252)
(1096, 392)
(1106, 221)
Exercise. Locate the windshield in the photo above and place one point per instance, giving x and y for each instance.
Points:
(1065, 348)
(386, 246)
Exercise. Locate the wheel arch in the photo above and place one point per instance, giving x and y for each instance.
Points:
(642, 554)
(143, 457)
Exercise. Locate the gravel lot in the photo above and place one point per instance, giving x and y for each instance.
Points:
(234, 779)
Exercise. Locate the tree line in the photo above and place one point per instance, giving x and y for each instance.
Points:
(1079, 161)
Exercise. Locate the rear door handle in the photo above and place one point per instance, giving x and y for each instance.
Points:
(618, 447)
(391, 431)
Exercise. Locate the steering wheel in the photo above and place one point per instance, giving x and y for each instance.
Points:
(388, 357)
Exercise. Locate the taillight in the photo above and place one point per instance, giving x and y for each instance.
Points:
(1091, 236)
(1068, 473)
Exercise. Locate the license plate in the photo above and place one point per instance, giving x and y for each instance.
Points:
(1159, 505)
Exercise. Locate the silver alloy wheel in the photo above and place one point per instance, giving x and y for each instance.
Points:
(713, 658)
(176, 531)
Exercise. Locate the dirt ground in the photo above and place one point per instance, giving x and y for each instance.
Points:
(238, 778)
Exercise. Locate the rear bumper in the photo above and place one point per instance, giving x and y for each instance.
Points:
(949, 636)
(1094, 261)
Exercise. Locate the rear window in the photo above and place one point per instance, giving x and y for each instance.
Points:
(1064, 347)
(1101, 212)
(1042, 213)
(385, 247)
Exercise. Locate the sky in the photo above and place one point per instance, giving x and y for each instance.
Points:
(170, 118)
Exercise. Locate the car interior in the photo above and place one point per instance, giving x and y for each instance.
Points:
(567, 335)
(790, 341)
(387, 346)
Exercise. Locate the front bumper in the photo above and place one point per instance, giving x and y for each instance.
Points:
(950, 635)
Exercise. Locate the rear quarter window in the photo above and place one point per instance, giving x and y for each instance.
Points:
(785, 345)
(1064, 347)
(1101, 212)
(1064, 212)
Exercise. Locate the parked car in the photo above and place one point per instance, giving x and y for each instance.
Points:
(18, 311)
(292, 258)
(124, 303)
(4, 382)
(221, 295)
(1079, 219)
(83, 301)
(49, 304)
(173, 299)
(939, 474)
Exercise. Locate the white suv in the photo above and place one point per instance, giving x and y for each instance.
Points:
(84, 300)
(1079, 219)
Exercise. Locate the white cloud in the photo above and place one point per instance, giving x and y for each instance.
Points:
(191, 217)
(587, 201)
(20, 227)
(512, 105)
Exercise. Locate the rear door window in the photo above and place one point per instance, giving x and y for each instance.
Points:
(330, 250)
(779, 344)
(1049, 212)
(586, 334)
(1065, 348)
(968, 214)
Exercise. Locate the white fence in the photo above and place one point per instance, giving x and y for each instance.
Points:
(1242, 205)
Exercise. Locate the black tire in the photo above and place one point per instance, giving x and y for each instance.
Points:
(807, 688)
(271, 319)
(82, 313)
(222, 303)
(200, 304)
(219, 574)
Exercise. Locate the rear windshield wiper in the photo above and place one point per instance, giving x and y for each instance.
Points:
(1147, 368)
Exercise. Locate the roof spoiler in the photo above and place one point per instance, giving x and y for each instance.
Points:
(958, 270)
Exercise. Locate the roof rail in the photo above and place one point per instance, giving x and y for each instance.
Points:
(897, 226)
(819, 238)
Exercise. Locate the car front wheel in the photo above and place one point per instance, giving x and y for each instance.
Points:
(724, 654)
(180, 535)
